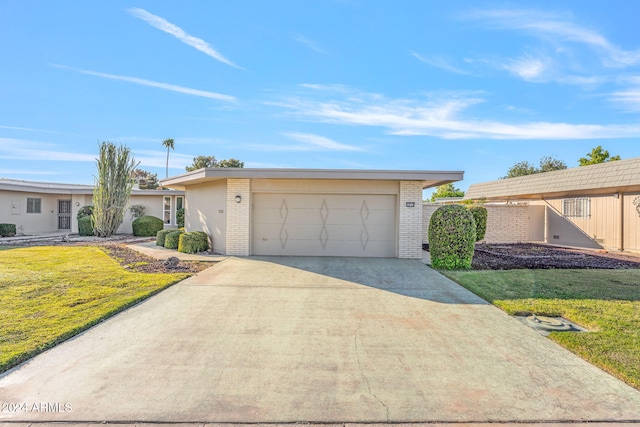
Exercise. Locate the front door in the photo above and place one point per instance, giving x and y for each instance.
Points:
(64, 214)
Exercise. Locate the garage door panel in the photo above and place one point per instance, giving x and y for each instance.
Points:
(329, 225)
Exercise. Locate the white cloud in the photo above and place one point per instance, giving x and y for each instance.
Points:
(144, 82)
(443, 118)
(22, 149)
(557, 29)
(527, 67)
(180, 34)
(309, 43)
(439, 62)
(628, 99)
(317, 142)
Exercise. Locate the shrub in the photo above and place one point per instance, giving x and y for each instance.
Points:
(7, 230)
(147, 226)
(84, 211)
(172, 239)
(136, 211)
(193, 242)
(180, 217)
(161, 235)
(480, 217)
(452, 234)
(85, 226)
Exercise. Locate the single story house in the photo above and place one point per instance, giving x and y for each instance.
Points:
(45, 207)
(595, 206)
(309, 212)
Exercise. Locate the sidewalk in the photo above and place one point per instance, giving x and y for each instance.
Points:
(158, 252)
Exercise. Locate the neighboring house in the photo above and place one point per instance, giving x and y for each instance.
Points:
(595, 206)
(44, 207)
(309, 212)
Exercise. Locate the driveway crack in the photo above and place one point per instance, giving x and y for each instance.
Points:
(362, 373)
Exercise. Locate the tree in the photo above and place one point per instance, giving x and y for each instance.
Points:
(211, 162)
(112, 188)
(548, 164)
(169, 143)
(446, 190)
(145, 180)
(523, 168)
(597, 155)
(230, 163)
(202, 162)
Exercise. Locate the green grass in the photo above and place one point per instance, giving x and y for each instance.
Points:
(48, 294)
(607, 302)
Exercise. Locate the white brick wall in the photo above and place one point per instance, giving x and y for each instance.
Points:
(238, 217)
(410, 220)
(505, 223)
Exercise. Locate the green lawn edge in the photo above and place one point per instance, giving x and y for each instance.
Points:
(21, 358)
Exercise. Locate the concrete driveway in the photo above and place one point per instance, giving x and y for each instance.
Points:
(313, 339)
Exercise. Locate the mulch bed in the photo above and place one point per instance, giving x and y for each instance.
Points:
(528, 255)
(136, 261)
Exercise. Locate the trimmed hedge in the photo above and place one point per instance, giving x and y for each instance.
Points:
(480, 217)
(7, 230)
(147, 226)
(452, 234)
(162, 234)
(193, 242)
(172, 239)
(84, 211)
(180, 217)
(85, 226)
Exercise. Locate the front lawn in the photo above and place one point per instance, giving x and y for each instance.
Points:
(607, 302)
(48, 294)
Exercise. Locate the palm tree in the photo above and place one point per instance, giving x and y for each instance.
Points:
(169, 143)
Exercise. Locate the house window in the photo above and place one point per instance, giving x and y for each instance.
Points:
(179, 202)
(34, 205)
(166, 207)
(578, 207)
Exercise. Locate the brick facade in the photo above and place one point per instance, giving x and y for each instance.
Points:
(410, 220)
(239, 217)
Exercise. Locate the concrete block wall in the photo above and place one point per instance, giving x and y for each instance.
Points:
(238, 217)
(410, 220)
(505, 223)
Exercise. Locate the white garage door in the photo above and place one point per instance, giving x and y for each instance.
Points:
(324, 225)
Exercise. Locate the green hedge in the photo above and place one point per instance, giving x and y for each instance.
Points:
(180, 217)
(162, 234)
(193, 242)
(85, 226)
(147, 226)
(480, 217)
(172, 239)
(84, 211)
(452, 234)
(7, 230)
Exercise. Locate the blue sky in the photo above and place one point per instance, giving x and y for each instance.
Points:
(344, 84)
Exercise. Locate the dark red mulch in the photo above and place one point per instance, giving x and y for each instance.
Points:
(528, 255)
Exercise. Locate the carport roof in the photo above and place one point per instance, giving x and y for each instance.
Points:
(428, 178)
(604, 178)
